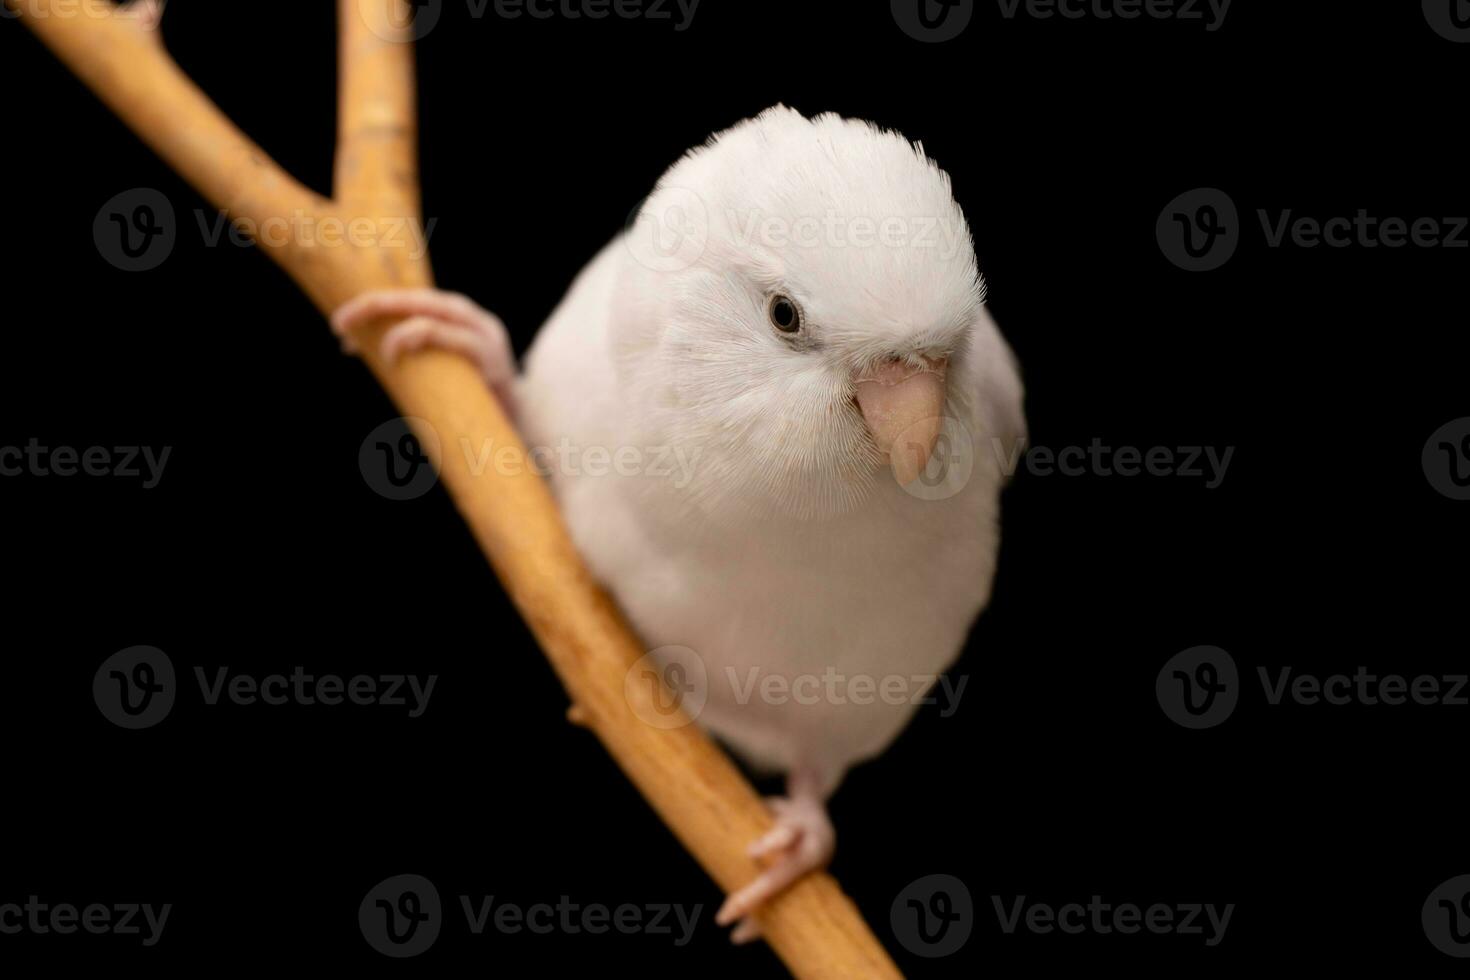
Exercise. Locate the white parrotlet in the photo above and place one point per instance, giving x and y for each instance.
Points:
(797, 316)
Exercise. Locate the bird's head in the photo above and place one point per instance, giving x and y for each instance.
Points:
(803, 291)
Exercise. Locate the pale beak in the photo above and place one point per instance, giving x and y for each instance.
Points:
(904, 408)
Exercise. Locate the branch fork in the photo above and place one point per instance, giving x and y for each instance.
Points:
(693, 786)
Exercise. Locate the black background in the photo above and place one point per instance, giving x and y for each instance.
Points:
(1058, 778)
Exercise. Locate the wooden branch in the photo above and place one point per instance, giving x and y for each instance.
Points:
(377, 138)
(813, 927)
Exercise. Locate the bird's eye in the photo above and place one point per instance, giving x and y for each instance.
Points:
(785, 317)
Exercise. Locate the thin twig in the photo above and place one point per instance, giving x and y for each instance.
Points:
(692, 785)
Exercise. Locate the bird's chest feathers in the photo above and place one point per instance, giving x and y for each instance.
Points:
(859, 591)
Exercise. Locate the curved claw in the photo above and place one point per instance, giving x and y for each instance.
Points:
(748, 930)
(148, 14)
(802, 841)
(447, 321)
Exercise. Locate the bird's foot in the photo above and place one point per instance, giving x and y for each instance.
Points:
(147, 14)
(434, 319)
(802, 840)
